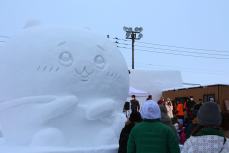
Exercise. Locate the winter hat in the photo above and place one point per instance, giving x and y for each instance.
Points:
(150, 110)
(209, 114)
(135, 117)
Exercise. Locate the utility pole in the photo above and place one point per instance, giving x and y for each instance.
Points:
(133, 34)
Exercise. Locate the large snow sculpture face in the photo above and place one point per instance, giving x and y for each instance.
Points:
(66, 81)
(62, 61)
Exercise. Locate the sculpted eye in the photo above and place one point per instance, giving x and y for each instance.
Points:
(99, 61)
(65, 58)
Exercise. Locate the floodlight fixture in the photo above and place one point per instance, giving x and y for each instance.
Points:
(133, 35)
(128, 35)
(138, 29)
(130, 29)
(140, 35)
(125, 28)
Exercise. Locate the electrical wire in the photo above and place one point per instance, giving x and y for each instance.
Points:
(169, 53)
(173, 50)
(181, 69)
(200, 70)
(174, 46)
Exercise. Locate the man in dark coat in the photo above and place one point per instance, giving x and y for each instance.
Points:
(135, 106)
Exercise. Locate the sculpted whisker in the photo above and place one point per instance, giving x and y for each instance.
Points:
(50, 69)
(100, 47)
(38, 68)
(57, 69)
(44, 68)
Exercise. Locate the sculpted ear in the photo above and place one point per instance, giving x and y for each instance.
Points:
(31, 23)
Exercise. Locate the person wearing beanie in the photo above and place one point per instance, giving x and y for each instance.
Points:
(135, 117)
(151, 135)
(207, 137)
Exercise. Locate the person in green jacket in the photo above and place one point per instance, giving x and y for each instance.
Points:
(152, 136)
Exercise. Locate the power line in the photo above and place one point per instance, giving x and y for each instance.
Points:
(201, 70)
(169, 53)
(196, 71)
(192, 52)
(190, 48)
(174, 46)
(186, 70)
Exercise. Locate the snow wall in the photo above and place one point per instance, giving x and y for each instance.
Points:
(61, 90)
(153, 82)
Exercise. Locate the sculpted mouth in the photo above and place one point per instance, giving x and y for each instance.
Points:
(84, 78)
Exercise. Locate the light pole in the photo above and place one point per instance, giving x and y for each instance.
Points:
(133, 34)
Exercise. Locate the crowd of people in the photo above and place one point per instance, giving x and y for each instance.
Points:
(173, 126)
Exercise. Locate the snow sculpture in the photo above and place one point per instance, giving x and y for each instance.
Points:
(61, 87)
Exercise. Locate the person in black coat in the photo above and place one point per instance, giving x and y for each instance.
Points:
(135, 106)
(124, 135)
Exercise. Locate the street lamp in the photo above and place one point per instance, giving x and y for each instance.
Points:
(133, 34)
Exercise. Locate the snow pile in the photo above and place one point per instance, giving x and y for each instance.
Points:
(137, 92)
(153, 82)
(61, 88)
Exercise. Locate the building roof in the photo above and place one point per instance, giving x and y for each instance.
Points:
(195, 86)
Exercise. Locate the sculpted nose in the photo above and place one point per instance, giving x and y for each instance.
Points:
(84, 69)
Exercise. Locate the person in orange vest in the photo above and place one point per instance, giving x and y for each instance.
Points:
(180, 112)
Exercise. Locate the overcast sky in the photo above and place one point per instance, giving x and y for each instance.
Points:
(198, 24)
